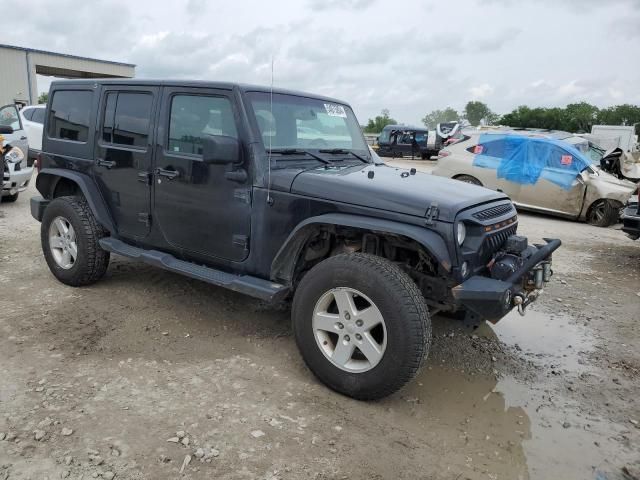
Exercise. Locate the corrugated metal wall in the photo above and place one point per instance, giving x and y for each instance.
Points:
(14, 84)
(18, 70)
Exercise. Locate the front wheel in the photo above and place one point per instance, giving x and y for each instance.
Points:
(603, 213)
(361, 324)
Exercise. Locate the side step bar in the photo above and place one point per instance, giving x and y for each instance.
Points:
(252, 286)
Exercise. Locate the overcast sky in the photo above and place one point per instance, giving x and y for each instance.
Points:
(408, 56)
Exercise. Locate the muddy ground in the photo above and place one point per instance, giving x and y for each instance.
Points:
(133, 375)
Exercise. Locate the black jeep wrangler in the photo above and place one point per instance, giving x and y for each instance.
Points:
(275, 194)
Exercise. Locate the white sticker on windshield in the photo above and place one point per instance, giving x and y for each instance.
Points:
(334, 110)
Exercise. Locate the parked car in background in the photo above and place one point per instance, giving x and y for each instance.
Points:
(16, 173)
(539, 172)
(623, 141)
(402, 140)
(32, 120)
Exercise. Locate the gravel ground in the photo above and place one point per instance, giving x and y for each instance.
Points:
(149, 375)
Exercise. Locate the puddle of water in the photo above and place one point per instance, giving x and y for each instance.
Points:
(546, 338)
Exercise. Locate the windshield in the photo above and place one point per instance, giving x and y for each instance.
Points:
(306, 123)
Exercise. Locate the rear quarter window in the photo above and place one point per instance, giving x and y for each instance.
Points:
(69, 115)
(38, 115)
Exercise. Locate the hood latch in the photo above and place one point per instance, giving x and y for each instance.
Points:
(432, 213)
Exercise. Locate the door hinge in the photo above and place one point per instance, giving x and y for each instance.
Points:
(243, 195)
(144, 177)
(432, 214)
(241, 241)
(145, 218)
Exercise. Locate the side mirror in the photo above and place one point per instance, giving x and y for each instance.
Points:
(220, 150)
(6, 129)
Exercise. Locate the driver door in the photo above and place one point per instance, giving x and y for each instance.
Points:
(560, 187)
(9, 117)
(199, 208)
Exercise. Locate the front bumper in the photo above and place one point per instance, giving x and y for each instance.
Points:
(631, 221)
(15, 181)
(492, 299)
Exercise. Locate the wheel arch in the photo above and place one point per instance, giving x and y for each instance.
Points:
(55, 182)
(285, 261)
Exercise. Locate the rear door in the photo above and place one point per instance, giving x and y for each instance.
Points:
(123, 154)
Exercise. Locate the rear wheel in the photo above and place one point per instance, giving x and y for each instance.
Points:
(603, 213)
(469, 179)
(361, 324)
(69, 234)
(10, 198)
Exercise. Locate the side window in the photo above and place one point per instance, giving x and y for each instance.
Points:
(9, 117)
(193, 117)
(27, 113)
(69, 115)
(560, 159)
(493, 148)
(126, 119)
(38, 115)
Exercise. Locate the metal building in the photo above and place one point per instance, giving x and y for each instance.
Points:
(19, 66)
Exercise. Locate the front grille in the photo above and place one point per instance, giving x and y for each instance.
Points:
(493, 242)
(494, 212)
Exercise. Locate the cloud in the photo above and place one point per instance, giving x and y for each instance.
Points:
(480, 91)
(320, 5)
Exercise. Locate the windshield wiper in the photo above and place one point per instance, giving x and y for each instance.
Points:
(343, 151)
(296, 151)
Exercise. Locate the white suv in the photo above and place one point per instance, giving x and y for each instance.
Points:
(32, 120)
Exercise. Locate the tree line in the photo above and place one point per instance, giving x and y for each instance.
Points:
(575, 117)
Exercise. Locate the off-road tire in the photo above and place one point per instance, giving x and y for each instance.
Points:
(402, 306)
(469, 179)
(92, 261)
(10, 198)
(603, 213)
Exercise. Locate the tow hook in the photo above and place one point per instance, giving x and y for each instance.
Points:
(522, 302)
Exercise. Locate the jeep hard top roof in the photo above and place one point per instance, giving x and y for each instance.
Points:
(195, 84)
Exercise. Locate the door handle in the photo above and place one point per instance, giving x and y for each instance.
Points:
(105, 163)
(23, 138)
(170, 174)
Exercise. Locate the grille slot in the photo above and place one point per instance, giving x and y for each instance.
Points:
(494, 212)
(494, 241)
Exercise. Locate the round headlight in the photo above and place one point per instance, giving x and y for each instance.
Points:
(14, 156)
(461, 232)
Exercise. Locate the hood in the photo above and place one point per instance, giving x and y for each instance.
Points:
(606, 177)
(392, 189)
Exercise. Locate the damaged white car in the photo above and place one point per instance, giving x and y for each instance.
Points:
(539, 172)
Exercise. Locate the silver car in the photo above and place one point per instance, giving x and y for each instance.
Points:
(17, 173)
(540, 172)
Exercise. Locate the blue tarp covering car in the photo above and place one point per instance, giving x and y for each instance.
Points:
(526, 159)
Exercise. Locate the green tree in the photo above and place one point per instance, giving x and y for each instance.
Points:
(43, 97)
(476, 112)
(580, 117)
(620, 115)
(375, 125)
(430, 120)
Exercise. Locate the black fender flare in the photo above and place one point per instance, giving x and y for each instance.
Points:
(48, 178)
(283, 265)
